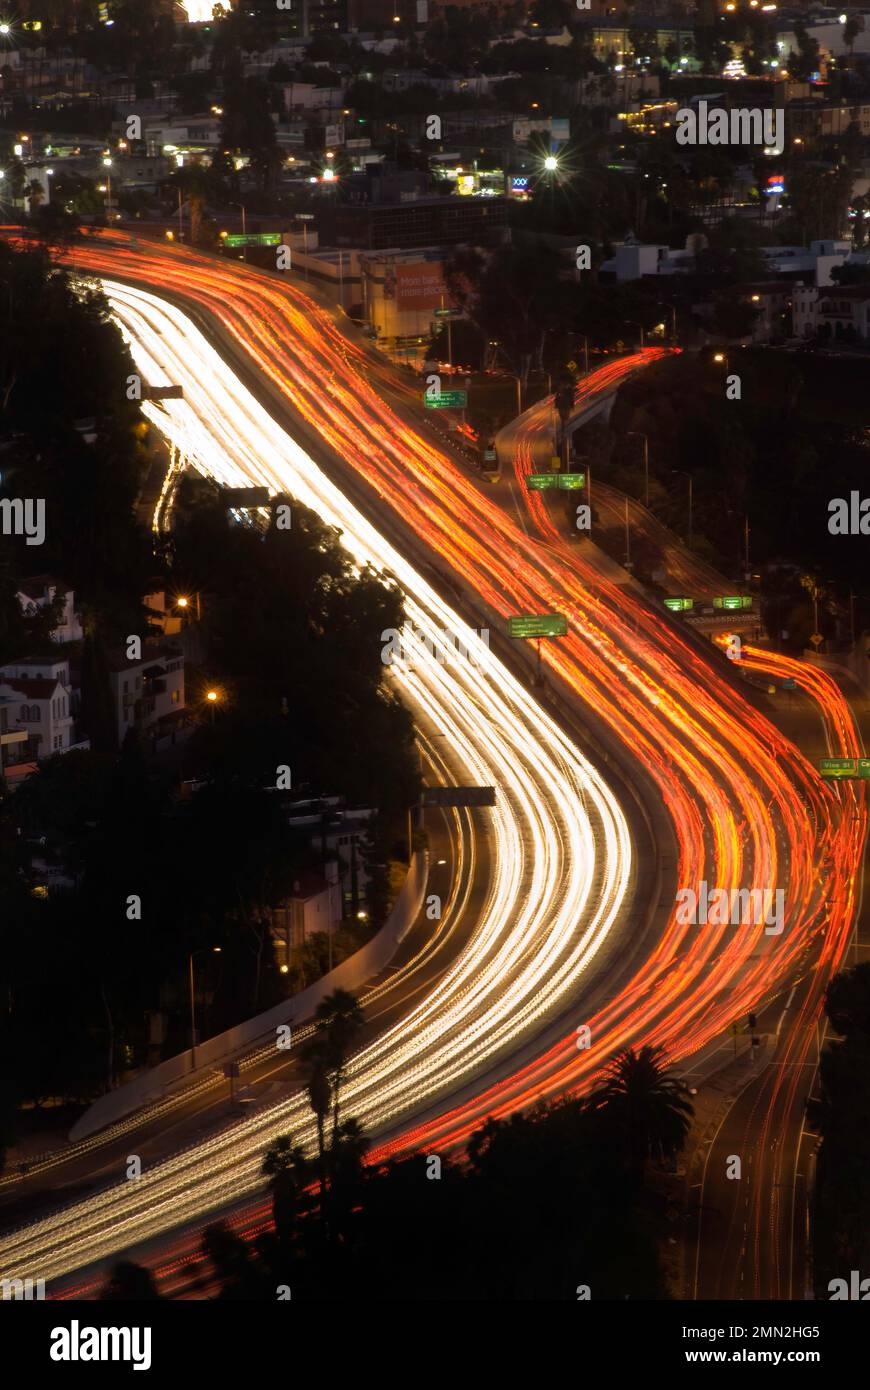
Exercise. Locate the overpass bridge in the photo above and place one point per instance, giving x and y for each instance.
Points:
(538, 429)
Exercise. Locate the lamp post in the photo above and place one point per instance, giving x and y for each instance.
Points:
(216, 950)
(639, 434)
(107, 163)
(244, 228)
(585, 353)
(683, 474)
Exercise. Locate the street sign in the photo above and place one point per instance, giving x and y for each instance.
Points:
(864, 769)
(789, 683)
(448, 313)
(253, 239)
(541, 482)
(817, 639)
(679, 605)
(447, 400)
(732, 601)
(538, 625)
(489, 456)
(840, 767)
(457, 796)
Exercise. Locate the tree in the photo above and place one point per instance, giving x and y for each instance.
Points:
(649, 1110)
(288, 1171)
(129, 1283)
(340, 1020)
(851, 29)
(805, 61)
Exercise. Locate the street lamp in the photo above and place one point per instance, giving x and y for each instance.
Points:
(639, 434)
(551, 163)
(244, 228)
(108, 166)
(681, 472)
(216, 950)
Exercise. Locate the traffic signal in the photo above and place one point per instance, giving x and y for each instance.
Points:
(751, 1020)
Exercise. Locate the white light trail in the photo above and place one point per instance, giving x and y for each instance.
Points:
(560, 845)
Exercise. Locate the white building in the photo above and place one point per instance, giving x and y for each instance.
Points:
(38, 592)
(148, 691)
(37, 691)
(837, 313)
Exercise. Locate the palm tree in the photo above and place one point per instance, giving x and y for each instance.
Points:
(339, 1020)
(649, 1110)
(315, 1057)
(287, 1168)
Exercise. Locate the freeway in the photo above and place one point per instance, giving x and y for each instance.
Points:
(744, 806)
(559, 867)
(755, 1230)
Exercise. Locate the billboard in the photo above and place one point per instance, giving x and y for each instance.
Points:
(420, 285)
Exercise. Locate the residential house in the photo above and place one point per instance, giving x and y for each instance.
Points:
(38, 592)
(148, 694)
(39, 692)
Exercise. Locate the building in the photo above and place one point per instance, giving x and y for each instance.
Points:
(13, 738)
(421, 222)
(773, 301)
(832, 313)
(313, 906)
(38, 693)
(401, 291)
(148, 694)
(38, 592)
(386, 208)
(339, 834)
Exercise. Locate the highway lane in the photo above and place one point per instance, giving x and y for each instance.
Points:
(725, 775)
(746, 808)
(561, 857)
(458, 847)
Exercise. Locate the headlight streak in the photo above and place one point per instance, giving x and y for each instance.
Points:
(746, 807)
(555, 894)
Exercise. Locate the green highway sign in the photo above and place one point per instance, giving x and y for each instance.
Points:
(864, 768)
(448, 313)
(732, 601)
(447, 400)
(253, 239)
(538, 625)
(541, 482)
(679, 605)
(840, 767)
